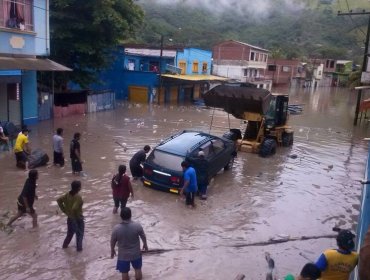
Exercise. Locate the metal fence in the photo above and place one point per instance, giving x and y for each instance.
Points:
(100, 101)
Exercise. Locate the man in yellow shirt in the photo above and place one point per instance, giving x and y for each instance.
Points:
(22, 149)
(337, 264)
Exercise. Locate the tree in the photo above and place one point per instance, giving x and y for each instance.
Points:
(83, 34)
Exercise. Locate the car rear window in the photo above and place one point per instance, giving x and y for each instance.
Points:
(166, 160)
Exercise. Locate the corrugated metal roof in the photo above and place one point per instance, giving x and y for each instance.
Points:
(196, 77)
(343, 61)
(254, 47)
(23, 63)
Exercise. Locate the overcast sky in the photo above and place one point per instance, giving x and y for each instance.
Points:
(256, 8)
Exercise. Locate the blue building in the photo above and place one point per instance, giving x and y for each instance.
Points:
(168, 75)
(24, 37)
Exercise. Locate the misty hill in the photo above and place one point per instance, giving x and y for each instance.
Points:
(288, 28)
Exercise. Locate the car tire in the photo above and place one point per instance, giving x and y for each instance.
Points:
(229, 164)
(287, 139)
(268, 147)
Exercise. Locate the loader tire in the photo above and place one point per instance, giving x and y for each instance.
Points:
(268, 147)
(287, 139)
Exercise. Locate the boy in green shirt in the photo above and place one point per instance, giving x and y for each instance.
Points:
(309, 272)
(71, 205)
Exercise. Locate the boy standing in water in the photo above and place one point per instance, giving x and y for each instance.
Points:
(58, 148)
(26, 199)
(75, 154)
(71, 205)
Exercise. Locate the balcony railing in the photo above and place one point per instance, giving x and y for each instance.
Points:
(173, 69)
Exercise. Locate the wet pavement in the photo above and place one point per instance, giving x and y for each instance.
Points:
(258, 199)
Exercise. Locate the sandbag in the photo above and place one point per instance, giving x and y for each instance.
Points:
(37, 158)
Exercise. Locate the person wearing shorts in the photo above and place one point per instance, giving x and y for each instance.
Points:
(128, 234)
(190, 186)
(26, 199)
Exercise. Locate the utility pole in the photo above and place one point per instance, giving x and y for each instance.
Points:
(365, 58)
(160, 71)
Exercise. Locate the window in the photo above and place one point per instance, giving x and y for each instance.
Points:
(252, 56)
(265, 58)
(246, 72)
(332, 64)
(16, 14)
(204, 67)
(166, 160)
(285, 68)
(182, 66)
(195, 67)
(271, 67)
(257, 57)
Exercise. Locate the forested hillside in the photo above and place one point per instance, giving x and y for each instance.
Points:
(288, 28)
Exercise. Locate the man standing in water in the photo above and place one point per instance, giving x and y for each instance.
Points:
(75, 154)
(71, 205)
(202, 175)
(22, 149)
(136, 161)
(190, 186)
(58, 148)
(127, 234)
(26, 199)
(337, 264)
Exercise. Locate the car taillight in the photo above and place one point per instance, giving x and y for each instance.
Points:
(175, 180)
(148, 171)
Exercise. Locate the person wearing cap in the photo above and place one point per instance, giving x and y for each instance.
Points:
(337, 264)
(136, 161)
(202, 175)
(22, 149)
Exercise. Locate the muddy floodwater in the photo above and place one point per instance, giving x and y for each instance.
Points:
(258, 199)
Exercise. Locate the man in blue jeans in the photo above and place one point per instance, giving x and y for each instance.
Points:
(71, 205)
(190, 186)
(127, 234)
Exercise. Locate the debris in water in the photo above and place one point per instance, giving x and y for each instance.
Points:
(155, 126)
(154, 131)
(103, 157)
(330, 166)
(294, 156)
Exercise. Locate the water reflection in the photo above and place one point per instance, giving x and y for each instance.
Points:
(256, 200)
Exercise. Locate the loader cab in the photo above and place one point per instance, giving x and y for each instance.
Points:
(277, 113)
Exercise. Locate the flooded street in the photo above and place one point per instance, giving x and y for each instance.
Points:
(258, 199)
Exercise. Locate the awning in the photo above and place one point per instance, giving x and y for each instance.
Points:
(23, 63)
(195, 78)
